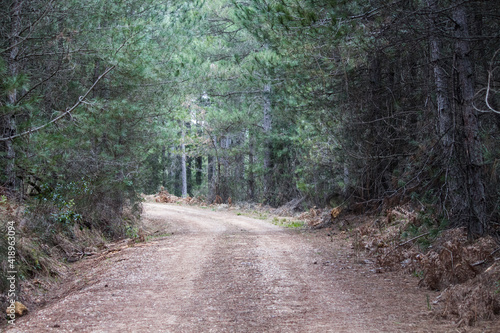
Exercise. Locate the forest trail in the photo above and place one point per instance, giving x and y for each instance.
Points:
(219, 272)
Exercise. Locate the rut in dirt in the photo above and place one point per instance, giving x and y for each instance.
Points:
(219, 272)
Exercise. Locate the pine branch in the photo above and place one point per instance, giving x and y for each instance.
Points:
(81, 100)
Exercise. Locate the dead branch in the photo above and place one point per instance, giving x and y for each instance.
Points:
(411, 240)
(488, 89)
(403, 244)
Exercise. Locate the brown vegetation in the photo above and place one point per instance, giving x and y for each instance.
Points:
(17, 309)
(465, 271)
(475, 300)
(218, 200)
(165, 197)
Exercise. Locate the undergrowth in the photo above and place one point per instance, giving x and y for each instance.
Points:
(60, 225)
(422, 244)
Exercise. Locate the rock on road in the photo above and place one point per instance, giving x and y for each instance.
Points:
(219, 272)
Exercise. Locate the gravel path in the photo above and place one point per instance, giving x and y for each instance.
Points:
(219, 272)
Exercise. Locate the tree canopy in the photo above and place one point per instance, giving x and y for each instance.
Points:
(365, 104)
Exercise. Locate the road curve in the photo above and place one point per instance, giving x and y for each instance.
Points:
(219, 272)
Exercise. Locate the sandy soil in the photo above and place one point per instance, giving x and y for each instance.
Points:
(214, 271)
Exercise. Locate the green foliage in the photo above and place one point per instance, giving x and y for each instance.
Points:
(427, 221)
(418, 274)
(283, 222)
(295, 224)
(131, 231)
(87, 167)
(267, 101)
(59, 202)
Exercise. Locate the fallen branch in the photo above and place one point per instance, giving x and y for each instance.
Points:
(408, 241)
(484, 261)
(81, 100)
(411, 240)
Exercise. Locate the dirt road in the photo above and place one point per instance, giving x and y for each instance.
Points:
(219, 272)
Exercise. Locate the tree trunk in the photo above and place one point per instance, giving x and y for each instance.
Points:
(446, 124)
(199, 169)
(10, 121)
(189, 171)
(163, 166)
(267, 126)
(476, 201)
(240, 168)
(210, 169)
(251, 161)
(183, 163)
(347, 180)
(176, 172)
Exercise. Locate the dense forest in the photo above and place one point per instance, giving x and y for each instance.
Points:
(365, 104)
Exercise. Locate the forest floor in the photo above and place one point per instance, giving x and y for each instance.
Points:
(205, 270)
